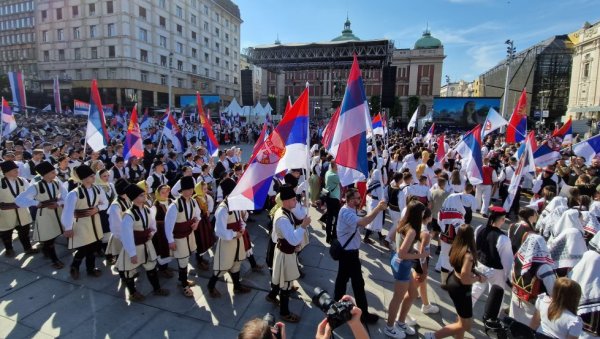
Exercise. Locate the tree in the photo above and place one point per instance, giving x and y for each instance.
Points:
(413, 104)
(396, 111)
(375, 104)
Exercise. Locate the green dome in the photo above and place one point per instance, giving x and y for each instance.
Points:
(427, 41)
(346, 33)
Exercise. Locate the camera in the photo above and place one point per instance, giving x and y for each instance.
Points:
(338, 312)
(270, 320)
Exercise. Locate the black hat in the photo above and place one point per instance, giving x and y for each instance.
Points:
(147, 142)
(187, 183)
(44, 168)
(84, 171)
(227, 186)
(8, 166)
(133, 191)
(119, 159)
(157, 162)
(291, 180)
(120, 185)
(286, 192)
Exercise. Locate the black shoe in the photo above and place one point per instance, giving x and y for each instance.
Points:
(369, 318)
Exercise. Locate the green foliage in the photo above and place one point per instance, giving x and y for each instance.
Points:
(396, 111)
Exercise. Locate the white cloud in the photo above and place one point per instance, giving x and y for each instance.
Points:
(485, 56)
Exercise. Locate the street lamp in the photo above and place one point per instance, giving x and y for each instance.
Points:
(510, 55)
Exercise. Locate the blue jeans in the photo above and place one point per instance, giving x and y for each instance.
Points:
(402, 269)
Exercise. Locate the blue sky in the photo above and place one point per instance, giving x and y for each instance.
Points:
(472, 31)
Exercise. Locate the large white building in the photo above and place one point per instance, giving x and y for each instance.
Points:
(133, 48)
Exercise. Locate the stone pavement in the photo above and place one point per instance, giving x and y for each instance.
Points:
(37, 301)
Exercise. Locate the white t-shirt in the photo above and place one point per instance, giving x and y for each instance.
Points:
(568, 324)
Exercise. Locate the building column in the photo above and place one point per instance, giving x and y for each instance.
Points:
(155, 98)
(138, 93)
(119, 98)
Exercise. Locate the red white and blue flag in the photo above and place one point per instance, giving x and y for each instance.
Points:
(297, 143)
(522, 166)
(96, 133)
(329, 129)
(377, 124)
(133, 139)
(9, 123)
(251, 190)
(145, 123)
(172, 132)
(56, 92)
(440, 154)
(588, 149)
(517, 125)
(212, 144)
(549, 152)
(493, 121)
(471, 154)
(17, 87)
(429, 134)
(349, 143)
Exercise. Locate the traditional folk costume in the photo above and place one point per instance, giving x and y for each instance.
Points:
(532, 274)
(205, 233)
(137, 229)
(87, 229)
(586, 273)
(229, 254)
(115, 216)
(11, 216)
(47, 194)
(566, 243)
(109, 191)
(160, 242)
(181, 220)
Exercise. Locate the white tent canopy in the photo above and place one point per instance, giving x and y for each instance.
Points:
(268, 109)
(259, 110)
(234, 108)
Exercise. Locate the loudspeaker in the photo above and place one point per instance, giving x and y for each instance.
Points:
(388, 90)
(247, 88)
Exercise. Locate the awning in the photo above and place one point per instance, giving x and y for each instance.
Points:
(584, 109)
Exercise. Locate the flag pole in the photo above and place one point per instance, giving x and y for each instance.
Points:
(1, 123)
(307, 170)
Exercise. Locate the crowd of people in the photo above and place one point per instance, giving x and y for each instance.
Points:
(162, 209)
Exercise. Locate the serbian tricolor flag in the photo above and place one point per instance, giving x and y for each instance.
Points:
(212, 145)
(377, 124)
(429, 134)
(330, 129)
(588, 149)
(133, 139)
(567, 132)
(288, 105)
(261, 138)
(440, 154)
(522, 166)
(17, 87)
(471, 154)
(56, 92)
(96, 134)
(517, 125)
(349, 143)
(145, 120)
(9, 123)
(549, 152)
(173, 132)
(296, 144)
(251, 190)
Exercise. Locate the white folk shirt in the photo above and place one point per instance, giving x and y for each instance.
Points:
(127, 230)
(171, 216)
(221, 230)
(68, 213)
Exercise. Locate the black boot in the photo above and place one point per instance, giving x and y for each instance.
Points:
(238, 288)
(153, 278)
(367, 239)
(284, 303)
(213, 292)
(183, 273)
(272, 296)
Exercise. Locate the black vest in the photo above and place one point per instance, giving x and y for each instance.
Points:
(393, 198)
(116, 173)
(516, 234)
(527, 287)
(487, 253)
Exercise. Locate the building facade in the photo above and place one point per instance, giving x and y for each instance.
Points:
(584, 94)
(457, 89)
(136, 48)
(543, 70)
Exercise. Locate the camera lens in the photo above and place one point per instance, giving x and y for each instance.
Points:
(269, 319)
(321, 299)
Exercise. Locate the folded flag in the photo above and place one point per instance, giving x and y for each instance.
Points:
(96, 133)
(549, 152)
(17, 87)
(493, 121)
(212, 144)
(429, 134)
(9, 123)
(133, 138)
(588, 148)
(521, 168)
(471, 154)
(412, 124)
(517, 126)
(172, 132)
(329, 129)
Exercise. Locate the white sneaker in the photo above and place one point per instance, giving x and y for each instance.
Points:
(410, 321)
(429, 335)
(430, 309)
(405, 328)
(394, 332)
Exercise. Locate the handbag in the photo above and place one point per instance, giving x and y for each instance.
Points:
(336, 250)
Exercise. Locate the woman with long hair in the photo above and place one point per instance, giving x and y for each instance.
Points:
(557, 316)
(456, 181)
(463, 258)
(408, 230)
(159, 210)
(205, 233)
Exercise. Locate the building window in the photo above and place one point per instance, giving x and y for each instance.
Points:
(179, 12)
(217, 46)
(44, 15)
(75, 11)
(163, 79)
(206, 42)
(162, 3)
(180, 83)
(586, 70)
(180, 65)
(76, 33)
(163, 41)
(227, 37)
(206, 72)
(77, 53)
(235, 80)
(94, 52)
(179, 47)
(163, 60)
(46, 56)
(218, 75)
(217, 17)
(142, 12)
(92, 31)
(194, 53)
(205, 9)
(162, 21)
(194, 69)
(44, 36)
(206, 57)
(226, 64)
(59, 14)
(61, 55)
(111, 73)
(235, 67)
(144, 55)
(78, 74)
(144, 76)
(143, 35)
(92, 9)
(193, 19)
(180, 30)
(217, 31)
(60, 34)
(206, 26)
(194, 36)
(235, 41)
(217, 60)
(111, 51)
(111, 29)
(109, 7)
(226, 50)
